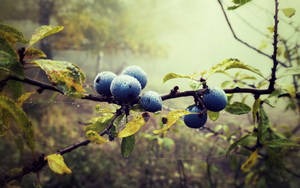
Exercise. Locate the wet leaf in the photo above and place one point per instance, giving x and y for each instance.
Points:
(57, 164)
(172, 117)
(133, 126)
(95, 137)
(65, 75)
(43, 32)
(98, 124)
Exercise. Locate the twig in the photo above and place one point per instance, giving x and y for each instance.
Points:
(241, 41)
(275, 42)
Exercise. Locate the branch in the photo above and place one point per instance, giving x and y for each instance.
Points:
(173, 94)
(41, 85)
(240, 40)
(275, 41)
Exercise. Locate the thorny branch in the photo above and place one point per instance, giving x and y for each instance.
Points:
(275, 41)
(240, 40)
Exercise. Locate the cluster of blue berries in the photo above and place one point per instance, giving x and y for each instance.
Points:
(127, 87)
(214, 100)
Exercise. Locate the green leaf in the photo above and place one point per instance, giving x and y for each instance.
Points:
(247, 165)
(20, 117)
(237, 143)
(4, 122)
(263, 44)
(174, 75)
(19, 37)
(43, 32)
(94, 137)
(168, 143)
(127, 146)
(280, 143)
(238, 3)
(237, 108)
(133, 126)
(66, 76)
(290, 88)
(32, 53)
(98, 124)
(10, 64)
(213, 115)
(172, 117)
(232, 64)
(20, 145)
(226, 83)
(276, 93)
(291, 71)
(263, 125)
(57, 164)
(289, 12)
(6, 46)
(255, 108)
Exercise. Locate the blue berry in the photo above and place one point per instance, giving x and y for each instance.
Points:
(151, 101)
(215, 99)
(125, 88)
(102, 82)
(195, 120)
(138, 73)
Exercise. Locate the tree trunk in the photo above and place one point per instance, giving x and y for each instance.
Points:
(46, 8)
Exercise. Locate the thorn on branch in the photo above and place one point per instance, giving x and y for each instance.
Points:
(174, 90)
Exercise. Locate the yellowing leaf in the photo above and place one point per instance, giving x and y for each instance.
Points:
(172, 117)
(174, 75)
(255, 108)
(57, 164)
(232, 64)
(32, 53)
(66, 76)
(290, 89)
(43, 32)
(16, 112)
(288, 12)
(93, 136)
(98, 124)
(132, 127)
(271, 29)
(16, 34)
(24, 97)
(247, 165)
(263, 45)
